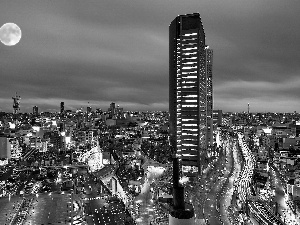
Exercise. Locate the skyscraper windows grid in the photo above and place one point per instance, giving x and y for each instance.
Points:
(188, 104)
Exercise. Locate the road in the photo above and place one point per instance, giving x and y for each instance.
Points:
(283, 209)
(197, 191)
(49, 208)
(143, 203)
(226, 196)
(212, 203)
(8, 208)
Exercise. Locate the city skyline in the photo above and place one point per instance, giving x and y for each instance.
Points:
(115, 52)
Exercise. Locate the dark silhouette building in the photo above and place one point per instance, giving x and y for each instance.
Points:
(35, 110)
(188, 91)
(62, 107)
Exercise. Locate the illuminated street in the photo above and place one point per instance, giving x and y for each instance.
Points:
(8, 208)
(281, 198)
(143, 205)
(211, 208)
(50, 208)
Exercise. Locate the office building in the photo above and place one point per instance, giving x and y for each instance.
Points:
(16, 106)
(217, 117)
(35, 110)
(62, 107)
(5, 148)
(112, 110)
(188, 91)
(88, 109)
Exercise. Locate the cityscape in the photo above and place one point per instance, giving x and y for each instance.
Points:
(146, 150)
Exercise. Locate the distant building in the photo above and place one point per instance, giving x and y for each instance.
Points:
(115, 112)
(35, 110)
(5, 150)
(88, 109)
(55, 140)
(112, 109)
(10, 148)
(62, 107)
(217, 117)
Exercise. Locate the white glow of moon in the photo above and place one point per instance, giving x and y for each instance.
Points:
(10, 34)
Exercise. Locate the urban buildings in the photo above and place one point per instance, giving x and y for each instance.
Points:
(190, 93)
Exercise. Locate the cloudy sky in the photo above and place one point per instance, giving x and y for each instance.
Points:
(98, 51)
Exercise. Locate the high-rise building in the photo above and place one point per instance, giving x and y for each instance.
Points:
(16, 107)
(112, 110)
(188, 91)
(35, 110)
(209, 97)
(217, 117)
(5, 148)
(62, 107)
(88, 109)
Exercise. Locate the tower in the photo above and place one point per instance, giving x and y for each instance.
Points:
(88, 112)
(16, 106)
(35, 110)
(112, 110)
(248, 108)
(62, 107)
(188, 91)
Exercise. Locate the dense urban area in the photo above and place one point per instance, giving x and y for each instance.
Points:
(191, 165)
(115, 167)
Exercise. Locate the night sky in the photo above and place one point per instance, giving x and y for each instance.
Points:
(104, 51)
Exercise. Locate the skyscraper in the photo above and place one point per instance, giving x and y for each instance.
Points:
(62, 107)
(188, 91)
(35, 110)
(16, 107)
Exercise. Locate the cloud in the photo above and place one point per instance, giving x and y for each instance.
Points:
(105, 51)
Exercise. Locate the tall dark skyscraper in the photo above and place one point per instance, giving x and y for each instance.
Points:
(16, 107)
(35, 110)
(188, 57)
(62, 107)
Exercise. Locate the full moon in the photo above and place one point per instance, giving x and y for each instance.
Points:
(10, 34)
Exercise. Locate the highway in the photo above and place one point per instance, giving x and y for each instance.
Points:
(245, 178)
(226, 197)
(260, 211)
(212, 203)
(280, 197)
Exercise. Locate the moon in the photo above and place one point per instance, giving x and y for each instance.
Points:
(10, 34)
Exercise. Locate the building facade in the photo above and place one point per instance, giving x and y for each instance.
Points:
(209, 97)
(62, 107)
(188, 91)
(35, 110)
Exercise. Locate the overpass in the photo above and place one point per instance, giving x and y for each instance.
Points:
(28, 154)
